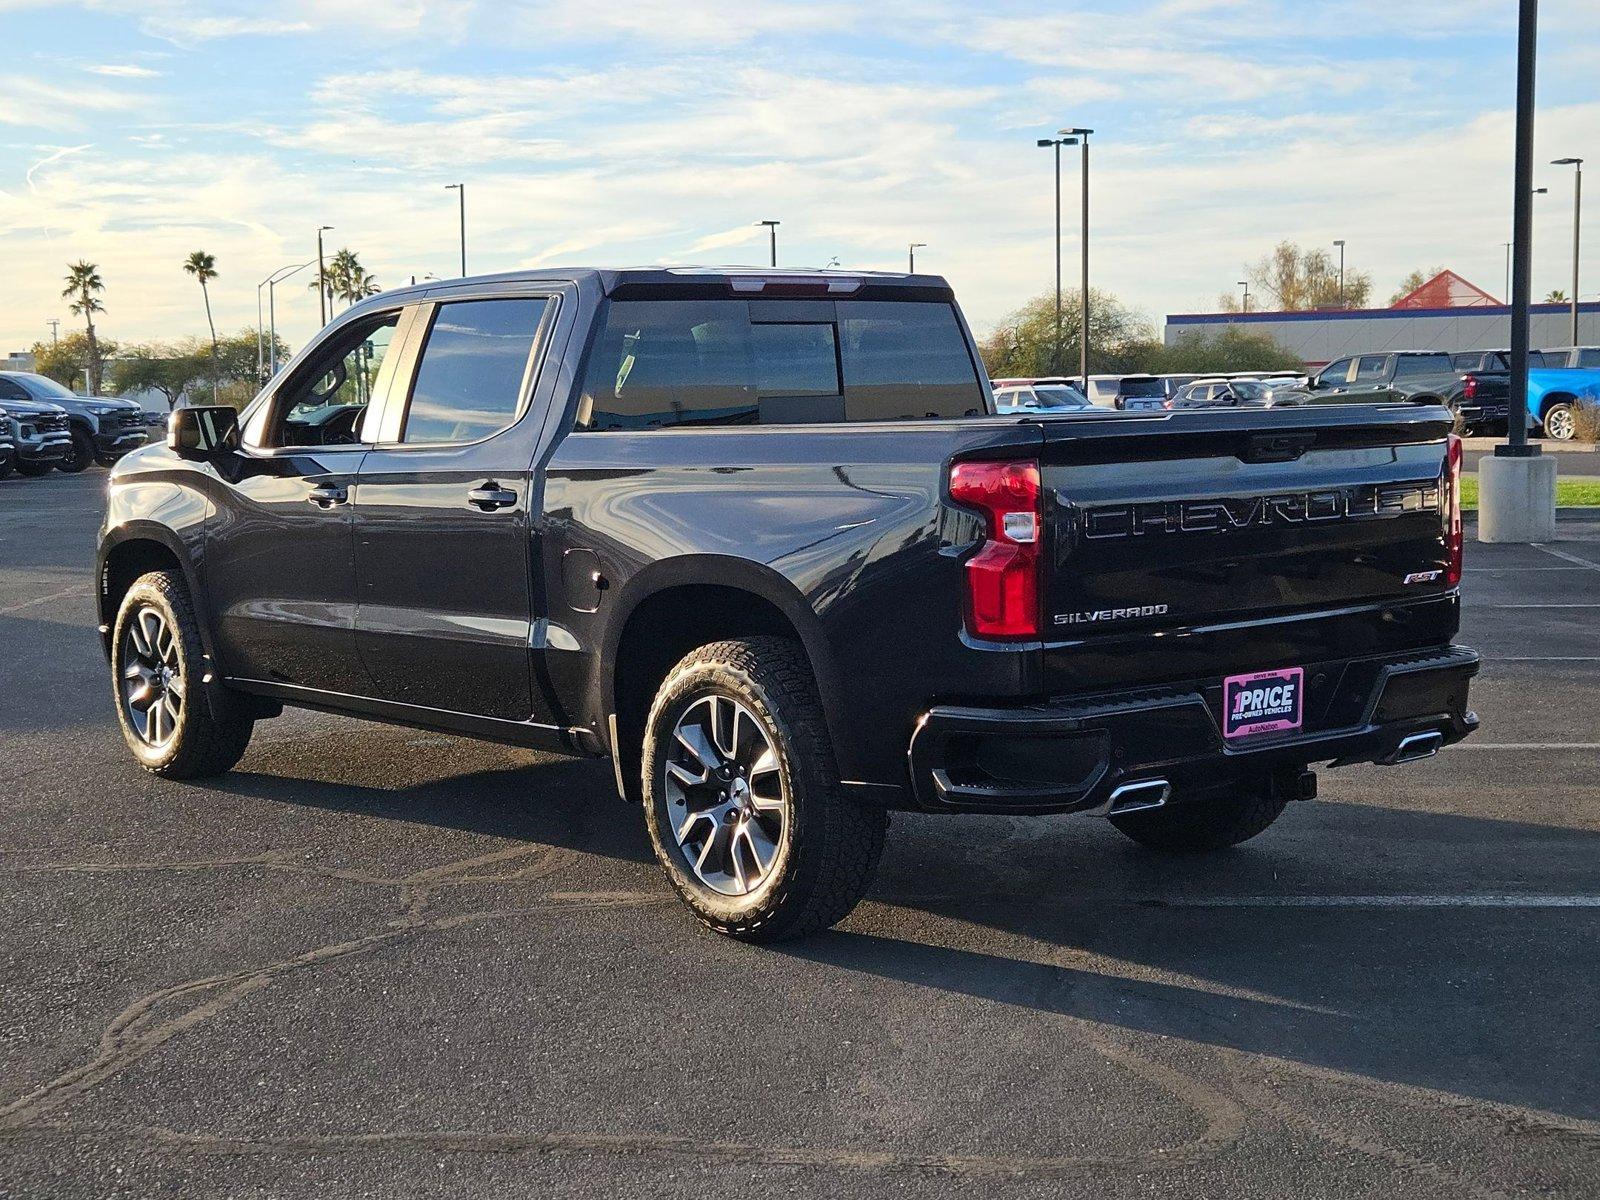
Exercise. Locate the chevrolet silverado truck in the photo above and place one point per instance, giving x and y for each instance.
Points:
(103, 428)
(1559, 383)
(1480, 398)
(760, 539)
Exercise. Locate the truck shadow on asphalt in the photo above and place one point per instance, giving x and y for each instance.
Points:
(1465, 1000)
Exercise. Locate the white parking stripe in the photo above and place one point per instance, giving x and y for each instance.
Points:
(1381, 901)
(1543, 658)
(1471, 606)
(1498, 570)
(1571, 558)
(1525, 746)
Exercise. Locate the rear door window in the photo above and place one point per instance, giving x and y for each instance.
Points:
(906, 360)
(1369, 368)
(470, 380)
(1588, 358)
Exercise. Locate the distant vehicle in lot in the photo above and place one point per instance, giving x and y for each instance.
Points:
(1500, 360)
(1554, 394)
(8, 446)
(1044, 396)
(1481, 398)
(1236, 393)
(40, 434)
(1128, 392)
(102, 428)
(761, 538)
(1573, 356)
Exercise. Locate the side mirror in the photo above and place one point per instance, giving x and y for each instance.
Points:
(203, 431)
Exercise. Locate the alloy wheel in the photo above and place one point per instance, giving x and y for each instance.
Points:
(727, 806)
(1559, 424)
(153, 690)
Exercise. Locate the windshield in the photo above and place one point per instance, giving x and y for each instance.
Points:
(1059, 395)
(43, 385)
(1249, 389)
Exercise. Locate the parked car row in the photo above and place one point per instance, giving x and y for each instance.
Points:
(45, 427)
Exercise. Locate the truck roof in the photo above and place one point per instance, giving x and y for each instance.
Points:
(687, 281)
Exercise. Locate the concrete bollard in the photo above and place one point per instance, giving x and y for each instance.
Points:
(1517, 499)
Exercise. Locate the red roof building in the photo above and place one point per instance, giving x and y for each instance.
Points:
(1447, 290)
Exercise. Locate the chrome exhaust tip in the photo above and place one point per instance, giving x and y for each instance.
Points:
(1416, 746)
(1141, 794)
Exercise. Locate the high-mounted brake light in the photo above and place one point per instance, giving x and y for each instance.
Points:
(794, 285)
(1003, 576)
(1450, 512)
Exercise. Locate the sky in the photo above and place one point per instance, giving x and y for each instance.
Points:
(135, 131)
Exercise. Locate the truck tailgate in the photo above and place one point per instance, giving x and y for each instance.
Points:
(1177, 523)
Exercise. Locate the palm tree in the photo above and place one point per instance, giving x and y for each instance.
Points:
(203, 267)
(1556, 297)
(83, 284)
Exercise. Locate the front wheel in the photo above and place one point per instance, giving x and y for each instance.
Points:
(742, 797)
(1202, 825)
(81, 456)
(156, 665)
(33, 470)
(1559, 422)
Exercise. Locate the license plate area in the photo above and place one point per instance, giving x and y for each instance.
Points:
(1263, 702)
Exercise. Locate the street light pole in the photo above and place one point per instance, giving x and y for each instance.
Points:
(55, 325)
(1056, 143)
(1245, 284)
(1082, 135)
(911, 256)
(272, 282)
(322, 278)
(772, 232)
(461, 192)
(1577, 211)
(1339, 242)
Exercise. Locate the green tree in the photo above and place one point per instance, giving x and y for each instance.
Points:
(1292, 278)
(1556, 297)
(165, 368)
(84, 286)
(1411, 281)
(1233, 349)
(1024, 343)
(203, 267)
(66, 360)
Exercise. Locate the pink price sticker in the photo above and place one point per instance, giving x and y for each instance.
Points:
(1265, 702)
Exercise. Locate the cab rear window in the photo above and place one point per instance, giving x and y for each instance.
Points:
(657, 364)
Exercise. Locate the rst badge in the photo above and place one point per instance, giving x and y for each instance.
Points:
(1265, 702)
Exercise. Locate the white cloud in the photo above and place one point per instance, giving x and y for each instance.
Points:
(123, 71)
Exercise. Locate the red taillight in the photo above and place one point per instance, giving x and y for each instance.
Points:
(1469, 390)
(1003, 576)
(1451, 511)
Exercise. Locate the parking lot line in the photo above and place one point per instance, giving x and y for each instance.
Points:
(1445, 901)
(1525, 746)
(1571, 558)
(1523, 606)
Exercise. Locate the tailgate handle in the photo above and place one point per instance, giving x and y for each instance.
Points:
(1278, 447)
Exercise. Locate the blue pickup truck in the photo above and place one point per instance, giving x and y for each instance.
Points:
(1558, 381)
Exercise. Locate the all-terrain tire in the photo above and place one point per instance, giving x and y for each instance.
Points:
(1202, 825)
(82, 456)
(200, 743)
(33, 470)
(830, 844)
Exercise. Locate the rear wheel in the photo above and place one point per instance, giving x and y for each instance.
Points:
(156, 667)
(82, 455)
(742, 797)
(1202, 825)
(1559, 422)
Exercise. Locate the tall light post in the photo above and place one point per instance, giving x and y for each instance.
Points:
(1083, 234)
(1577, 211)
(273, 281)
(1339, 242)
(1056, 143)
(1245, 284)
(55, 324)
(772, 233)
(461, 194)
(1508, 272)
(911, 256)
(322, 278)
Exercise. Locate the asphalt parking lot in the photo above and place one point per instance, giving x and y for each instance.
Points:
(377, 962)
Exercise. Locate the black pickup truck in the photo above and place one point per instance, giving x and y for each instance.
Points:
(759, 538)
(1481, 398)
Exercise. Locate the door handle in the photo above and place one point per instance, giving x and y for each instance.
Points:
(490, 497)
(326, 495)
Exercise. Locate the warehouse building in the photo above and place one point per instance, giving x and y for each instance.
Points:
(1446, 313)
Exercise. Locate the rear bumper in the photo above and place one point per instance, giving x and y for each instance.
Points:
(1072, 755)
